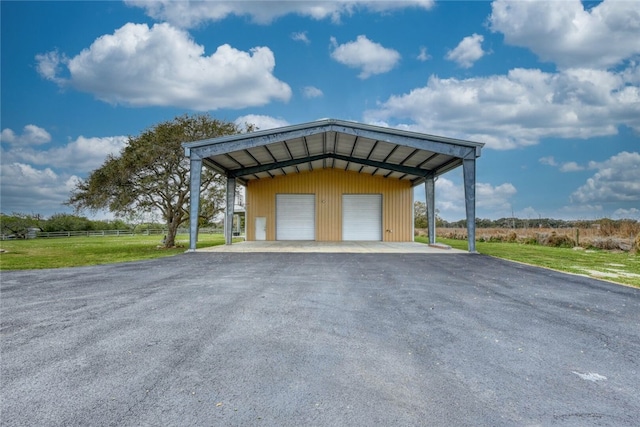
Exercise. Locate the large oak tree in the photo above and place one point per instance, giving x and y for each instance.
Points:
(152, 174)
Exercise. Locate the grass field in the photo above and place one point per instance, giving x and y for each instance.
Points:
(619, 267)
(80, 251)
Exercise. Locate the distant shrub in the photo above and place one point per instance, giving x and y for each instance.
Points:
(419, 232)
(610, 244)
(590, 236)
(559, 241)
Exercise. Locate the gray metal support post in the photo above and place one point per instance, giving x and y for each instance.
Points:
(469, 172)
(194, 197)
(228, 216)
(429, 191)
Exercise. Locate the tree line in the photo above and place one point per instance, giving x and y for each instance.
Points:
(604, 224)
(20, 224)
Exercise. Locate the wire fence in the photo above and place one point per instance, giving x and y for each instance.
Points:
(107, 233)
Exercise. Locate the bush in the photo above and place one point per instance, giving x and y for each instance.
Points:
(559, 241)
(610, 244)
(420, 232)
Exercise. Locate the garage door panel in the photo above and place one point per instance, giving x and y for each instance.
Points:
(295, 217)
(362, 217)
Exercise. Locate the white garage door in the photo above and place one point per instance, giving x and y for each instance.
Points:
(295, 217)
(362, 217)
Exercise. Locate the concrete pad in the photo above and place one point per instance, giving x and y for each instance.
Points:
(334, 247)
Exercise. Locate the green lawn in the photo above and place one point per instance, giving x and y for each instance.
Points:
(79, 251)
(617, 267)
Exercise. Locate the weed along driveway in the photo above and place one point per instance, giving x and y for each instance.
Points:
(290, 339)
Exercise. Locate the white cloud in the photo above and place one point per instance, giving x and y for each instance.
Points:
(616, 180)
(49, 65)
(565, 33)
(528, 212)
(311, 92)
(370, 57)
(301, 37)
(261, 122)
(31, 135)
(83, 154)
(468, 51)
(571, 167)
(188, 13)
(36, 180)
(632, 213)
(491, 201)
(30, 190)
(520, 108)
(423, 55)
(163, 66)
(587, 211)
(495, 198)
(550, 161)
(563, 167)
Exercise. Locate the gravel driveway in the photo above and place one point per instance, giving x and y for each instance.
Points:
(291, 339)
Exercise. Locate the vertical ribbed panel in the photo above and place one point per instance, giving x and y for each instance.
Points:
(329, 185)
(295, 217)
(362, 217)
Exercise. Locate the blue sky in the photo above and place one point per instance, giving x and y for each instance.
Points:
(552, 88)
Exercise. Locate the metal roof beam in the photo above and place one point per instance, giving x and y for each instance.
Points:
(277, 165)
(409, 156)
(286, 146)
(293, 162)
(228, 156)
(446, 167)
(306, 146)
(375, 144)
(221, 170)
(266, 147)
(355, 144)
(448, 146)
(428, 159)
(215, 146)
(393, 137)
(215, 166)
(251, 155)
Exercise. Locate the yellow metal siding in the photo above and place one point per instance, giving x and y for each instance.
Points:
(329, 185)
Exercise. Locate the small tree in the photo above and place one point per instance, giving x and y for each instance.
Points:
(66, 222)
(152, 174)
(18, 224)
(419, 214)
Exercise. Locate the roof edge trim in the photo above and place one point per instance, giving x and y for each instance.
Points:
(329, 124)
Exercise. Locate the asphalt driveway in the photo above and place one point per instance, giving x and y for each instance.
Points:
(281, 339)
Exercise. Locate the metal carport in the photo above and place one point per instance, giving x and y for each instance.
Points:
(378, 151)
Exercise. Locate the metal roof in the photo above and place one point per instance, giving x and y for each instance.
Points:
(330, 143)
